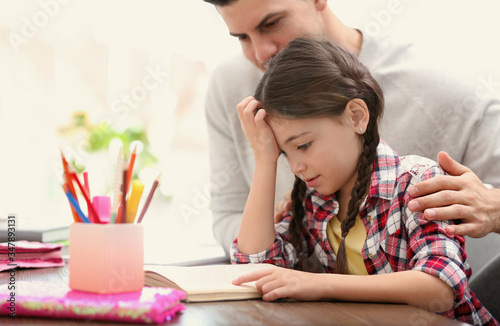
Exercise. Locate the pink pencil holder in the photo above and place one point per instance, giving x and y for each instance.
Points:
(106, 258)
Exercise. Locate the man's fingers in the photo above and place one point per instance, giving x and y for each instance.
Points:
(282, 207)
(452, 212)
(462, 229)
(288, 196)
(439, 183)
(443, 198)
(278, 216)
(451, 166)
(434, 185)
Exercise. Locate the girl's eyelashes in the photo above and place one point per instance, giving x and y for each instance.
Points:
(304, 146)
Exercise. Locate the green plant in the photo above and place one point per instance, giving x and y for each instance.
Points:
(99, 137)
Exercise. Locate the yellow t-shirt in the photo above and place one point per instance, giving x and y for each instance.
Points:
(354, 242)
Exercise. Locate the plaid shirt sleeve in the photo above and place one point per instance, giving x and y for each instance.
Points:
(431, 249)
(281, 253)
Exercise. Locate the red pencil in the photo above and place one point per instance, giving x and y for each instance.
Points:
(94, 217)
(131, 166)
(71, 188)
(148, 200)
(87, 186)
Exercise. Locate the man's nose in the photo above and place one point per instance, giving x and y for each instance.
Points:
(264, 50)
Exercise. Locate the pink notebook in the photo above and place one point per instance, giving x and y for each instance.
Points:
(30, 254)
(57, 300)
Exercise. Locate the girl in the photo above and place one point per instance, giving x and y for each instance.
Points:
(319, 106)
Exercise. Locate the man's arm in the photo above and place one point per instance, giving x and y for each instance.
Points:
(228, 187)
(459, 195)
(229, 162)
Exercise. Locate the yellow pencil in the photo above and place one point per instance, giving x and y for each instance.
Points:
(134, 199)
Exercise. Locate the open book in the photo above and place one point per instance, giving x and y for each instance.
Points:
(205, 283)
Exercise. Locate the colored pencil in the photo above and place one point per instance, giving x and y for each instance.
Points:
(150, 196)
(133, 201)
(123, 209)
(86, 181)
(131, 166)
(93, 216)
(87, 186)
(74, 204)
(71, 188)
(116, 186)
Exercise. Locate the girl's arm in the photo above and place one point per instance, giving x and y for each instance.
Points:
(408, 287)
(256, 231)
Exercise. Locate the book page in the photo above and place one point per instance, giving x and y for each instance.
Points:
(207, 278)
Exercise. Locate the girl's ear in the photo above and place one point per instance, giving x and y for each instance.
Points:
(359, 115)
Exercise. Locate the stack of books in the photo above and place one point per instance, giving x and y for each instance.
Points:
(46, 231)
(34, 230)
(26, 254)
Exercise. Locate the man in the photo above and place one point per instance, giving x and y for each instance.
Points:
(429, 107)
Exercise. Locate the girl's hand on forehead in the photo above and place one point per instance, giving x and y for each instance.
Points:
(257, 130)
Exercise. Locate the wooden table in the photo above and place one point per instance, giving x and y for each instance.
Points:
(255, 312)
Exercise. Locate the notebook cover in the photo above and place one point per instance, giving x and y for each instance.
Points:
(57, 300)
(28, 246)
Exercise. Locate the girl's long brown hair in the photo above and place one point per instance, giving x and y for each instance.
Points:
(313, 78)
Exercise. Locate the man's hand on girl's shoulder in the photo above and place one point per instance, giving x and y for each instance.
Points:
(459, 195)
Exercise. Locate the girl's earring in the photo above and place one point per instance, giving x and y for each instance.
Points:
(360, 130)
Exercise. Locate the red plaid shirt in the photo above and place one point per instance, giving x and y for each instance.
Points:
(397, 239)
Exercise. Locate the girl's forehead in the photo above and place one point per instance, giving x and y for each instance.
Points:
(283, 124)
(284, 128)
